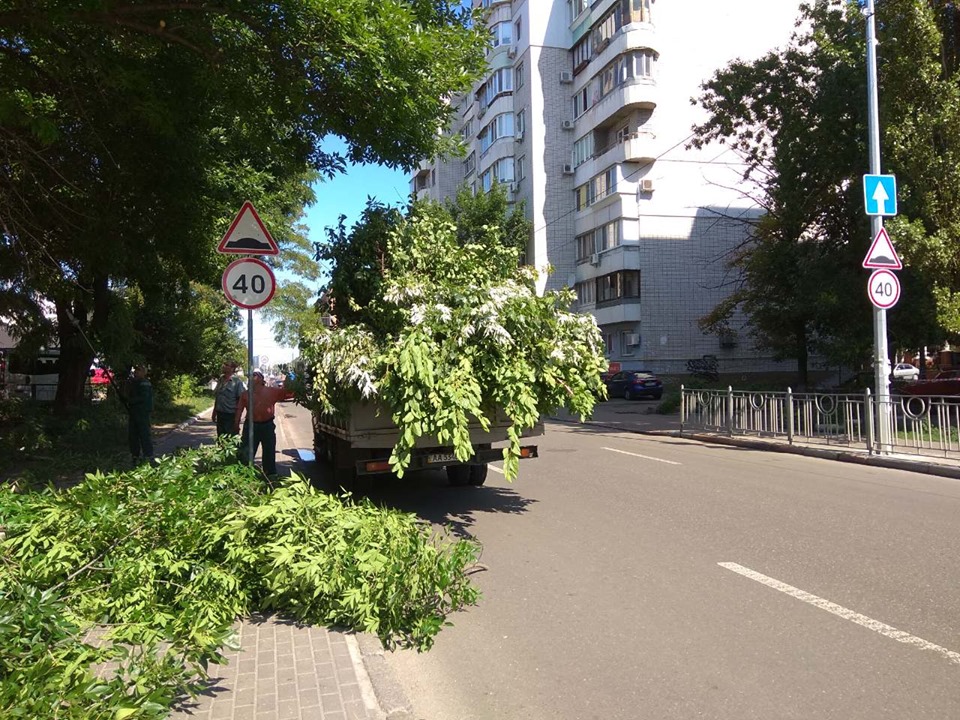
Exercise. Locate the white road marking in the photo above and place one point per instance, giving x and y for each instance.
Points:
(840, 611)
(495, 468)
(645, 457)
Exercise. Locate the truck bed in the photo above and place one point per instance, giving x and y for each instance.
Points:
(368, 425)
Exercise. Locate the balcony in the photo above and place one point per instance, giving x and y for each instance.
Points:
(636, 147)
(638, 94)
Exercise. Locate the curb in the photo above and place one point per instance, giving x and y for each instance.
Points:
(390, 694)
(186, 423)
(893, 463)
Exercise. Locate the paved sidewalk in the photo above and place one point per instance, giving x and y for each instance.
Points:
(283, 669)
(638, 417)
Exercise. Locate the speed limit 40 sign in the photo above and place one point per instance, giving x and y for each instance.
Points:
(248, 283)
(883, 287)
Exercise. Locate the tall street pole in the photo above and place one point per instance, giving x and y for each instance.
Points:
(881, 360)
(250, 384)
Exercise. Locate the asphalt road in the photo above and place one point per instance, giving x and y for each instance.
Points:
(638, 577)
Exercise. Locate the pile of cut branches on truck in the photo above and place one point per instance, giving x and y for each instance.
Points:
(433, 317)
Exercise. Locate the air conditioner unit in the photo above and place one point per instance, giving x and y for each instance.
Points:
(632, 339)
(519, 136)
(512, 187)
(512, 53)
(566, 77)
(595, 259)
(568, 169)
(481, 111)
(646, 185)
(567, 124)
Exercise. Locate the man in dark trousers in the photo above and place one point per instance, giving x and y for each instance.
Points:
(264, 430)
(140, 405)
(226, 396)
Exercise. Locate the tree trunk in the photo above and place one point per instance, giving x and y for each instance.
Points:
(75, 325)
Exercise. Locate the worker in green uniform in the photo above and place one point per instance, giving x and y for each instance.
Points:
(140, 405)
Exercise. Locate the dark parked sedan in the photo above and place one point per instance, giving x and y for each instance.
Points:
(631, 384)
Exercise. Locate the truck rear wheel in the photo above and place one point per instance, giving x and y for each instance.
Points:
(478, 475)
(458, 475)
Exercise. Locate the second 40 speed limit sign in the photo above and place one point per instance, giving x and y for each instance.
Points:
(248, 283)
(883, 287)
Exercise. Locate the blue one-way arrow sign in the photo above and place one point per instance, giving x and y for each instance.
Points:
(880, 194)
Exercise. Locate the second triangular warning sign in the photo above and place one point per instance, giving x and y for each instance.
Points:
(881, 254)
(248, 235)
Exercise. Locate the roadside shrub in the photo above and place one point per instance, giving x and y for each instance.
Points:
(159, 563)
(670, 403)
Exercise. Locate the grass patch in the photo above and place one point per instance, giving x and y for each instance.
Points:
(38, 447)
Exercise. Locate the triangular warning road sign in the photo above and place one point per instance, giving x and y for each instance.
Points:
(882, 255)
(248, 235)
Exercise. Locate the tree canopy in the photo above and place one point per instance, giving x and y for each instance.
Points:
(798, 118)
(131, 132)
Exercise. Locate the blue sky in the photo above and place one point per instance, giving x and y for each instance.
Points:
(345, 194)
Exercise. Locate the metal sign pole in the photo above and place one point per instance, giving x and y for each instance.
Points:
(881, 362)
(250, 383)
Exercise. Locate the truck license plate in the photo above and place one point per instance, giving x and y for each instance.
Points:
(434, 458)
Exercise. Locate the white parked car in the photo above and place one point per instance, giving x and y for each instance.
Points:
(905, 371)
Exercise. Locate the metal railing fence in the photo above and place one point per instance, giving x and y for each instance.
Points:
(921, 425)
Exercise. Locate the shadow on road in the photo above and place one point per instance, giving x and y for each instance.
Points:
(428, 495)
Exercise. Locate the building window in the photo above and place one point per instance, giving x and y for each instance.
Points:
(597, 188)
(521, 122)
(516, 30)
(521, 163)
(629, 342)
(608, 26)
(583, 149)
(581, 53)
(623, 134)
(640, 12)
(518, 80)
(643, 63)
(586, 246)
(581, 101)
(576, 7)
(500, 172)
(499, 83)
(608, 235)
(500, 34)
(500, 126)
(586, 292)
(582, 196)
(470, 164)
(618, 286)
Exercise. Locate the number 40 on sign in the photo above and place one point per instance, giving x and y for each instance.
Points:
(248, 283)
(883, 287)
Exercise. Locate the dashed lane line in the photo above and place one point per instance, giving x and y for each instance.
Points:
(845, 613)
(645, 457)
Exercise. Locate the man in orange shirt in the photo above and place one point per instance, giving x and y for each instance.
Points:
(264, 431)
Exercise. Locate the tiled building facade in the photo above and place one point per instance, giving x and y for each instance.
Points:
(585, 114)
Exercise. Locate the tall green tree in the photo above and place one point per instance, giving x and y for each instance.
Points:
(131, 131)
(798, 118)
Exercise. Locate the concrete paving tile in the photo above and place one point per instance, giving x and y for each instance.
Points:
(266, 703)
(244, 696)
(331, 702)
(309, 698)
(288, 710)
(287, 691)
(248, 712)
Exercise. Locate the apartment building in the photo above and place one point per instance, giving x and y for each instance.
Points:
(585, 113)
